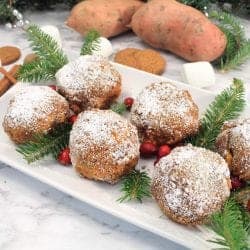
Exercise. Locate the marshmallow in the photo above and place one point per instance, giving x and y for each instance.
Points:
(53, 31)
(104, 47)
(198, 74)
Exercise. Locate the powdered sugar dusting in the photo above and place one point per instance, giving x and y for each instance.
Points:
(193, 181)
(105, 129)
(240, 133)
(234, 142)
(85, 73)
(31, 104)
(161, 106)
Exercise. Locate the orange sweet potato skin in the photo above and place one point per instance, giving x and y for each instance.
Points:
(110, 18)
(183, 30)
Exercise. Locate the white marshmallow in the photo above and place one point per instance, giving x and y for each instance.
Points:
(105, 48)
(198, 74)
(53, 31)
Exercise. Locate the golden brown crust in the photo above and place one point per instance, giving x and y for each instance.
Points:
(190, 184)
(100, 99)
(147, 60)
(9, 54)
(112, 173)
(21, 126)
(103, 145)
(165, 115)
(233, 144)
(89, 82)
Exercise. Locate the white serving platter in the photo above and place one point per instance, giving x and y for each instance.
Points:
(103, 196)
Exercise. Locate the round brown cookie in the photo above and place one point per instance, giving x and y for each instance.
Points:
(127, 57)
(147, 60)
(9, 54)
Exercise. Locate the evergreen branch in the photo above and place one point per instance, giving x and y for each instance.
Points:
(45, 46)
(226, 106)
(42, 145)
(238, 47)
(51, 57)
(118, 108)
(91, 42)
(37, 71)
(135, 186)
(228, 223)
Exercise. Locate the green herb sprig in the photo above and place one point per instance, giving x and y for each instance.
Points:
(42, 145)
(135, 186)
(50, 57)
(229, 224)
(119, 108)
(226, 106)
(91, 42)
(238, 46)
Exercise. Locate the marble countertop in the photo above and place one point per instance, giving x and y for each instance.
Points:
(36, 216)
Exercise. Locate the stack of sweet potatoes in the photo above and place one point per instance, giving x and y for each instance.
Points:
(164, 24)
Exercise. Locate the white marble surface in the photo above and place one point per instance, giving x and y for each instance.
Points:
(36, 216)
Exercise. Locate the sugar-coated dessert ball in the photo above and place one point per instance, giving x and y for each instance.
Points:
(190, 184)
(164, 114)
(233, 143)
(34, 110)
(103, 145)
(89, 82)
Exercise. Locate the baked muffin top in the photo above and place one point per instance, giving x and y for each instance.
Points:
(160, 102)
(104, 129)
(194, 181)
(87, 74)
(31, 105)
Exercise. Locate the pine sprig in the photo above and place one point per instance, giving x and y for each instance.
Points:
(228, 223)
(50, 57)
(135, 186)
(226, 106)
(37, 71)
(42, 145)
(238, 46)
(91, 43)
(119, 108)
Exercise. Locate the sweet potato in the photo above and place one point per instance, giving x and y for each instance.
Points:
(110, 18)
(183, 30)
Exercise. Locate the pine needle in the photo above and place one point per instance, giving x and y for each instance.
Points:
(42, 145)
(238, 47)
(228, 223)
(50, 57)
(119, 108)
(135, 186)
(226, 106)
(91, 42)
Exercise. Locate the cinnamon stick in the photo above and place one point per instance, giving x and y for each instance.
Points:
(9, 78)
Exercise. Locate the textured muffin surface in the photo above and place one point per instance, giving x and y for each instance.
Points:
(34, 110)
(233, 143)
(89, 82)
(103, 145)
(164, 114)
(190, 184)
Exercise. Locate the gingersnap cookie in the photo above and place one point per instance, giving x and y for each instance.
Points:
(9, 54)
(148, 60)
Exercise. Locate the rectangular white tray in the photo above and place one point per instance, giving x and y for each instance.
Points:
(103, 196)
